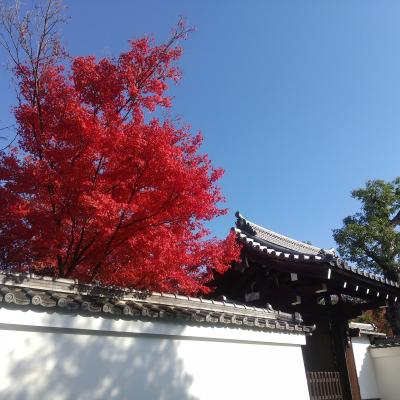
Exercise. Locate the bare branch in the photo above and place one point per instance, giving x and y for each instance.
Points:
(9, 144)
(7, 127)
(31, 38)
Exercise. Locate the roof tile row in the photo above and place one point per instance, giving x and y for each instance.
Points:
(292, 250)
(68, 295)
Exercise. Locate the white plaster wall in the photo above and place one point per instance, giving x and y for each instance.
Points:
(387, 367)
(365, 368)
(59, 357)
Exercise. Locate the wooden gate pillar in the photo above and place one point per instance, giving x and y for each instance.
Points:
(352, 371)
(345, 358)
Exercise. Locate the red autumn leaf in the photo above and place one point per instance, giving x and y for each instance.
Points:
(100, 189)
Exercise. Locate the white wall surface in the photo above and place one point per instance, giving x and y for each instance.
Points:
(387, 367)
(365, 368)
(59, 357)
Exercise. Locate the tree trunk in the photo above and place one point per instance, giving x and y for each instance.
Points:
(393, 316)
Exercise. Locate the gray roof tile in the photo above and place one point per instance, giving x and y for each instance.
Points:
(279, 246)
(272, 238)
(33, 291)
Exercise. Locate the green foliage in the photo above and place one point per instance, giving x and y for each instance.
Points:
(371, 237)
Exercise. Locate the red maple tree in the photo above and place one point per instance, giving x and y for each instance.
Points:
(98, 189)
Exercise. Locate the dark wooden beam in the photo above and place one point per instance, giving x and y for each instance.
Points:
(374, 287)
(325, 273)
(342, 310)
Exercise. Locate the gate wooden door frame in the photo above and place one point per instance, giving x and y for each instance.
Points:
(325, 385)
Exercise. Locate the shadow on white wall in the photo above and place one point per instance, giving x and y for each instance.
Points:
(365, 368)
(46, 363)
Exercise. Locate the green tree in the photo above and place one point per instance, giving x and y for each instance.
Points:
(371, 237)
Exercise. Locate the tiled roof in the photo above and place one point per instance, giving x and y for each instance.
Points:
(388, 342)
(281, 247)
(366, 329)
(277, 240)
(64, 295)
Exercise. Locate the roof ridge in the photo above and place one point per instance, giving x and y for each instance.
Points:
(33, 290)
(288, 254)
(71, 286)
(262, 246)
(277, 235)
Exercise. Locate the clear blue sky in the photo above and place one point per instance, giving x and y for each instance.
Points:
(299, 101)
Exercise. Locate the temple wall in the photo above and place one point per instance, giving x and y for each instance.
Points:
(387, 367)
(59, 356)
(365, 368)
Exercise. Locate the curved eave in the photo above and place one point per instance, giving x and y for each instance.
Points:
(251, 242)
(276, 240)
